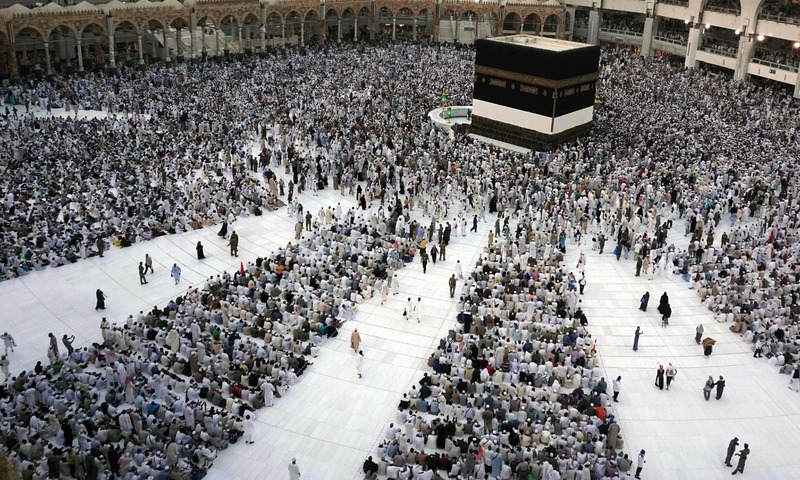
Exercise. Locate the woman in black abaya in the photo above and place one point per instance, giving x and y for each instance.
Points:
(101, 300)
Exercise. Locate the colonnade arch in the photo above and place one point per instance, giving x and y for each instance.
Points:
(98, 37)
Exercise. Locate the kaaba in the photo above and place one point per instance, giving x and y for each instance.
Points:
(534, 92)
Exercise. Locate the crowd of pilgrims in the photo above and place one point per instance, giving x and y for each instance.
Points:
(515, 388)
(166, 389)
(71, 187)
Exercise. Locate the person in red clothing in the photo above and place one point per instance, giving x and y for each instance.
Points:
(600, 411)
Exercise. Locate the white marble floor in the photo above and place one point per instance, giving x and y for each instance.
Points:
(686, 437)
(331, 420)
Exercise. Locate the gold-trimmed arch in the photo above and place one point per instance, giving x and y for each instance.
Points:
(185, 22)
(211, 14)
(149, 21)
(467, 11)
(270, 13)
(425, 12)
(308, 12)
(405, 12)
(28, 26)
(167, 20)
(207, 16)
(248, 15)
(66, 26)
(533, 20)
(235, 18)
(122, 23)
(92, 24)
(552, 20)
(118, 22)
(519, 12)
(380, 9)
(330, 8)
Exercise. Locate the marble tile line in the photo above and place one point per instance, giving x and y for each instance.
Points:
(326, 440)
(367, 346)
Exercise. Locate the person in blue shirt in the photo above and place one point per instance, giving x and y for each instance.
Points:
(176, 273)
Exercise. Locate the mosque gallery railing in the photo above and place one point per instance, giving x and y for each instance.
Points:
(674, 41)
(779, 19)
(779, 66)
(621, 32)
(730, 11)
(718, 50)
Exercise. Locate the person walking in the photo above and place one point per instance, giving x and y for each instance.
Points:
(663, 302)
(355, 340)
(698, 335)
(459, 274)
(101, 246)
(720, 384)
(234, 244)
(581, 265)
(794, 383)
(67, 341)
(644, 301)
(4, 367)
(395, 284)
(666, 313)
(176, 273)
(142, 279)
(200, 254)
(409, 308)
(249, 427)
(640, 464)
(360, 363)
(708, 346)
(708, 387)
(101, 300)
(743, 453)
(294, 470)
(53, 343)
(660, 377)
(664, 309)
(418, 309)
(582, 283)
(636, 336)
(424, 259)
(442, 251)
(384, 291)
(731, 449)
(616, 385)
(148, 263)
(452, 283)
(8, 342)
(671, 372)
(759, 348)
(434, 253)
